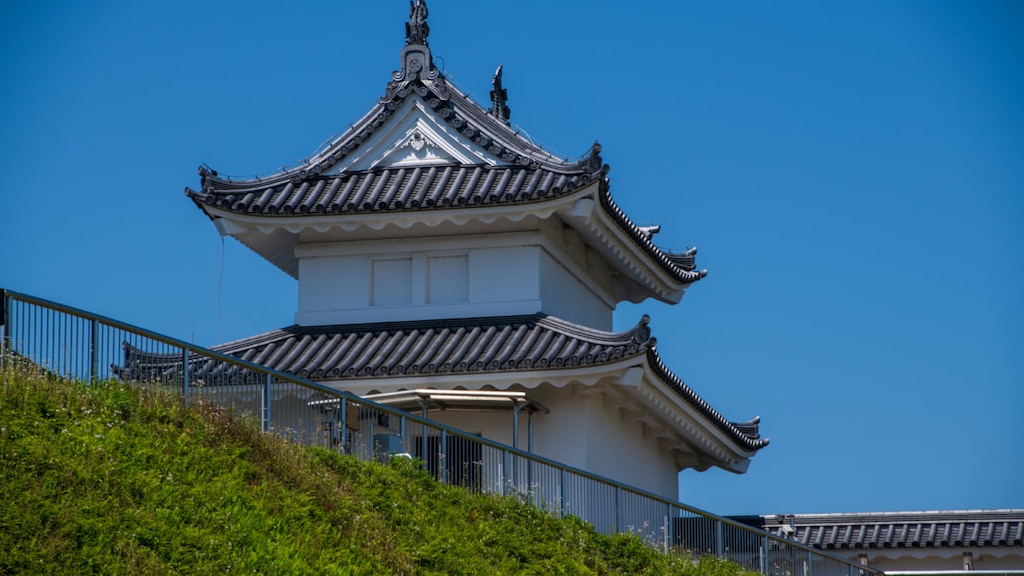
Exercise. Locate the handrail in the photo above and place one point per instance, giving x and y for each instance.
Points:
(56, 336)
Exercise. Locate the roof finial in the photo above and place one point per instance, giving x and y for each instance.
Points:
(417, 29)
(499, 96)
(417, 64)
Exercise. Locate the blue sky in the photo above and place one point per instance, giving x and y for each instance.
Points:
(853, 174)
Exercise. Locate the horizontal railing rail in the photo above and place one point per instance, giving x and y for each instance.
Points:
(77, 344)
(1018, 572)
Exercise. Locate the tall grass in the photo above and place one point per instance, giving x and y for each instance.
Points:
(108, 478)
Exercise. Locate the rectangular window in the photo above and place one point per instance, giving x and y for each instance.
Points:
(447, 279)
(392, 282)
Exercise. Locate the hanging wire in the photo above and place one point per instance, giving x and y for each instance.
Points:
(220, 286)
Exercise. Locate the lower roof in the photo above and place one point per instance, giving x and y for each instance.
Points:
(438, 347)
(926, 529)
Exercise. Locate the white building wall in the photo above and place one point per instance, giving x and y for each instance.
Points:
(495, 426)
(566, 297)
(618, 449)
(332, 283)
(580, 432)
(424, 279)
(504, 275)
(938, 559)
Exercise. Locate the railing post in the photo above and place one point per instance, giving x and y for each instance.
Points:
(442, 458)
(664, 527)
(515, 425)
(615, 524)
(184, 374)
(424, 406)
(93, 357)
(4, 321)
(764, 554)
(561, 493)
(266, 403)
(369, 433)
(810, 563)
(343, 419)
(504, 480)
(719, 539)
(530, 488)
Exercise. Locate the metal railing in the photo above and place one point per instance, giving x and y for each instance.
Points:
(1011, 572)
(79, 345)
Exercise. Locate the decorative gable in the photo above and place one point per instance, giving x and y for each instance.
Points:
(415, 135)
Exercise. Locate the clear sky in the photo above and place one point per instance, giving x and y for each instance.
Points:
(853, 173)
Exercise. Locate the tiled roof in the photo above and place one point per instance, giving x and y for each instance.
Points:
(391, 189)
(902, 529)
(461, 346)
(430, 188)
(434, 347)
(532, 174)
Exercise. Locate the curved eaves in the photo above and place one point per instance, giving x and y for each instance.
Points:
(746, 434)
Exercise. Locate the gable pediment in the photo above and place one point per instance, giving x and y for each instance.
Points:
(415, 135)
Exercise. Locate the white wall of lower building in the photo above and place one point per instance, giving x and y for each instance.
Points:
(618, 449)
(580, 432)
(938, 559)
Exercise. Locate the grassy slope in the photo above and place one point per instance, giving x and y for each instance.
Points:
(107, 479)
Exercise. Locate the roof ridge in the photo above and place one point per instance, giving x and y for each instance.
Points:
(406, 325)
(639, 334)
(212, 183)
(922, 516)
(249, 340)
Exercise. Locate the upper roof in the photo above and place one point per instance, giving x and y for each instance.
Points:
(507, 170)
(928, 529)
(440, 347)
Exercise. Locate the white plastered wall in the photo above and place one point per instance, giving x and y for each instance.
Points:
(472, 277)
(582, 432)
(938, 559)
(566, 297)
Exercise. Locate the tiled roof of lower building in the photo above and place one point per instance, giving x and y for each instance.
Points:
(459, 346)
(931, 529)
(434, 347)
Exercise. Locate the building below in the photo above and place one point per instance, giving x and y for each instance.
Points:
(932, 541)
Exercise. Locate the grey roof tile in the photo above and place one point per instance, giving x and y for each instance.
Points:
(931, 529)
(435, 188)
(477, 345)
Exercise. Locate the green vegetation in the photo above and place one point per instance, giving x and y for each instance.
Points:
(106, 478)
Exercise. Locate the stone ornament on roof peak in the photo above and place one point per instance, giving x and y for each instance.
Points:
(417, 29)
(417, 63)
